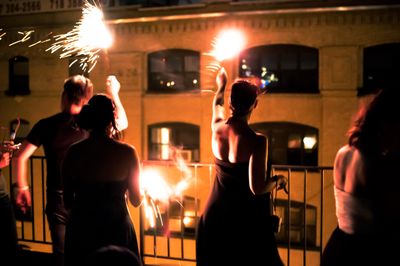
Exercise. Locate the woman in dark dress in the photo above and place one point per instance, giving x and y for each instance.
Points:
(366, 186)
(99, 173)
(235, 226)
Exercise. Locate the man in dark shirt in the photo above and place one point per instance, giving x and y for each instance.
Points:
(56, 133)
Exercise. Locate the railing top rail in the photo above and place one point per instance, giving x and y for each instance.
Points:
(300, 167)
(199, 164)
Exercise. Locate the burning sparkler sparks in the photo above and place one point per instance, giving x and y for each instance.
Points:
(157, 191)
(26, 35)
(89, 36)
(227, 45)
(2, 34)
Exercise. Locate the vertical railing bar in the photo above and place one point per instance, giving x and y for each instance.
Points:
(43, 199)
(304, 218)
(182, 214)
(32, 200)
(155, 239)
(141, 226)
(168, 235)
(322, 211)
(289, 215)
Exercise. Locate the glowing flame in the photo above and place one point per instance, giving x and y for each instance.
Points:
(228, 44)
(26, 35)
(156, 190)
(86, 39)
(2, 34)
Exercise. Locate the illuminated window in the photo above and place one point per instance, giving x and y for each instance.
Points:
(290, 143)
(166, 140)
(174, 70)
(294, 67)
(18, 76)
(381, 67)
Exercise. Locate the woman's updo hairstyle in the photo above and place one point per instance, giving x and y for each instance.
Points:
(243, 96)
(98, 114)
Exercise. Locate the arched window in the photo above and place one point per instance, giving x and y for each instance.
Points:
(167, 138)
(174, 70)
(290, 143)
(381, 67)
(18, 76)
(294, 66)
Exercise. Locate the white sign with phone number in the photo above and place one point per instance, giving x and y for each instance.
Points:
(17, 7)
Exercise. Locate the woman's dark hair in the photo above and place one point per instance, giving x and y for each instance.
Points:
(113, 255)
(381, 111)
(243, 96)
(98, 115)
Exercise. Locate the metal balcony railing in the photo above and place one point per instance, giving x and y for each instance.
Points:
(172, 236)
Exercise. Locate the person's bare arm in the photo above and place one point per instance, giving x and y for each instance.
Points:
(259, 184)
(112, 88)
(134, 180)
(4, 159)
(218, 102)
(21, 160)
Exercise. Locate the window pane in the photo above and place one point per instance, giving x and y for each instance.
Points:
(18, 76)
(308, 61)
(288, 61)
(174, 71)
(183, 138)
(287, 142)
(174, 63)
(269, 60)
(294, 67)
(157, 64)
(192, 63)
(381, 67)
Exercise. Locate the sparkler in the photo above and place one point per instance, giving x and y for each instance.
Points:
(225, 46)
(2, 34)
(89, 36)
(9, 145)
(157, 191)
(26, 35)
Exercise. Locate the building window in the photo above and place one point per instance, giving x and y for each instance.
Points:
(296, 226)
(75, 68)
(166, 140)
(174, 70)
(290, 143)
(18, 76)
(295, 67)
(381, 67)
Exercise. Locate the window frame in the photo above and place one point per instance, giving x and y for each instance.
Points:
(177, 129)
(169, 55)
(18, 83)
(290, 79)
(379, 67)
(276, 152)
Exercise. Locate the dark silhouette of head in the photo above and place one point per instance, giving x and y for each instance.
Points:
(377, 124)
(98, 115)
(114, 256)
(243, 97)
(77, 90)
